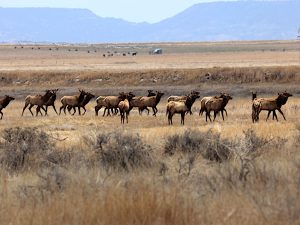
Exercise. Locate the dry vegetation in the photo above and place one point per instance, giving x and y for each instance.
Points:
(93, 170)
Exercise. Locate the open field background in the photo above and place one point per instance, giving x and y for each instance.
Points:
(93, 170)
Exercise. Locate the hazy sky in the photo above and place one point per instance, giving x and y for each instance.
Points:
(131, 10)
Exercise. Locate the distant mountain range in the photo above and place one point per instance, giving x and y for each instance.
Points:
(218, 21)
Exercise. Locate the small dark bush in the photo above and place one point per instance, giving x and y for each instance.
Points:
(208, 144)
(23, 148)
(121, 151)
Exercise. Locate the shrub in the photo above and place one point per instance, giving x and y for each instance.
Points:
(23, 148)
(122, 151)
(208, 144)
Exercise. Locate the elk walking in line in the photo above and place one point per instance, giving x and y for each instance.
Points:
(269, 104)
(136, 102)
(38, 100)
(4, 102)
(151, 101)
(88, 96)
(216, 104)
(110, 103)
(72, 101)
(50, 102)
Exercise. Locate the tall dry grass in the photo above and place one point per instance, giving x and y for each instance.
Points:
(258, 183)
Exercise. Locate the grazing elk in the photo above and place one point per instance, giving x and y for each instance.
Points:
(50, 102)
(4, 102)
(216, 104)
(270, 104)
(180, 107)
(38, 100)
(124, 106)
(151, 101)
(72, 101)
(88, 96)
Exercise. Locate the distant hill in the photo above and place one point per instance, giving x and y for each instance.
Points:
(218, 21)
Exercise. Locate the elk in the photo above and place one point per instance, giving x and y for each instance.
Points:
(50, 102)
(88, 96)
(255, 107)
(271, 104)
(180, 107)
(109, 102)
(38, 100)
(4, 102)
(184, 97)
(216, 104)
(100, 103)
(151, 101)
(124, 106)
(72, 101)
(205, 99)
(136, 102)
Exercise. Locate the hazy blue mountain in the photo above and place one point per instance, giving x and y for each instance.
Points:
(243, 20)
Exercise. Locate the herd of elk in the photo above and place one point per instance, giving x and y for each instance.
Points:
(125, 102)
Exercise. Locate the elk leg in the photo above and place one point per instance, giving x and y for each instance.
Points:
(275, 115)
(1, 114)
(97, 108)
(30, 109)
(122, 115)
(182, 118)
(74, 108)
(46, 110)
(222, 114)
(281, 113)
(209, 116)
(268, 114)
(60, 108)
(42, 109)
(38, 110)
(79, 110)
(225, 111)
(170, 118)
(215, 115)
(108, 112)
(154, 111)
(127, 117)
(26, 104)
(146, 108)
(69, 108)
(53, 108)
(84, 110)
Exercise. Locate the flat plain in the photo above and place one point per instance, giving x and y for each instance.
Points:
(63, 169)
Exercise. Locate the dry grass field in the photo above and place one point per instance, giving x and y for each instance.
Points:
(93, 170)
